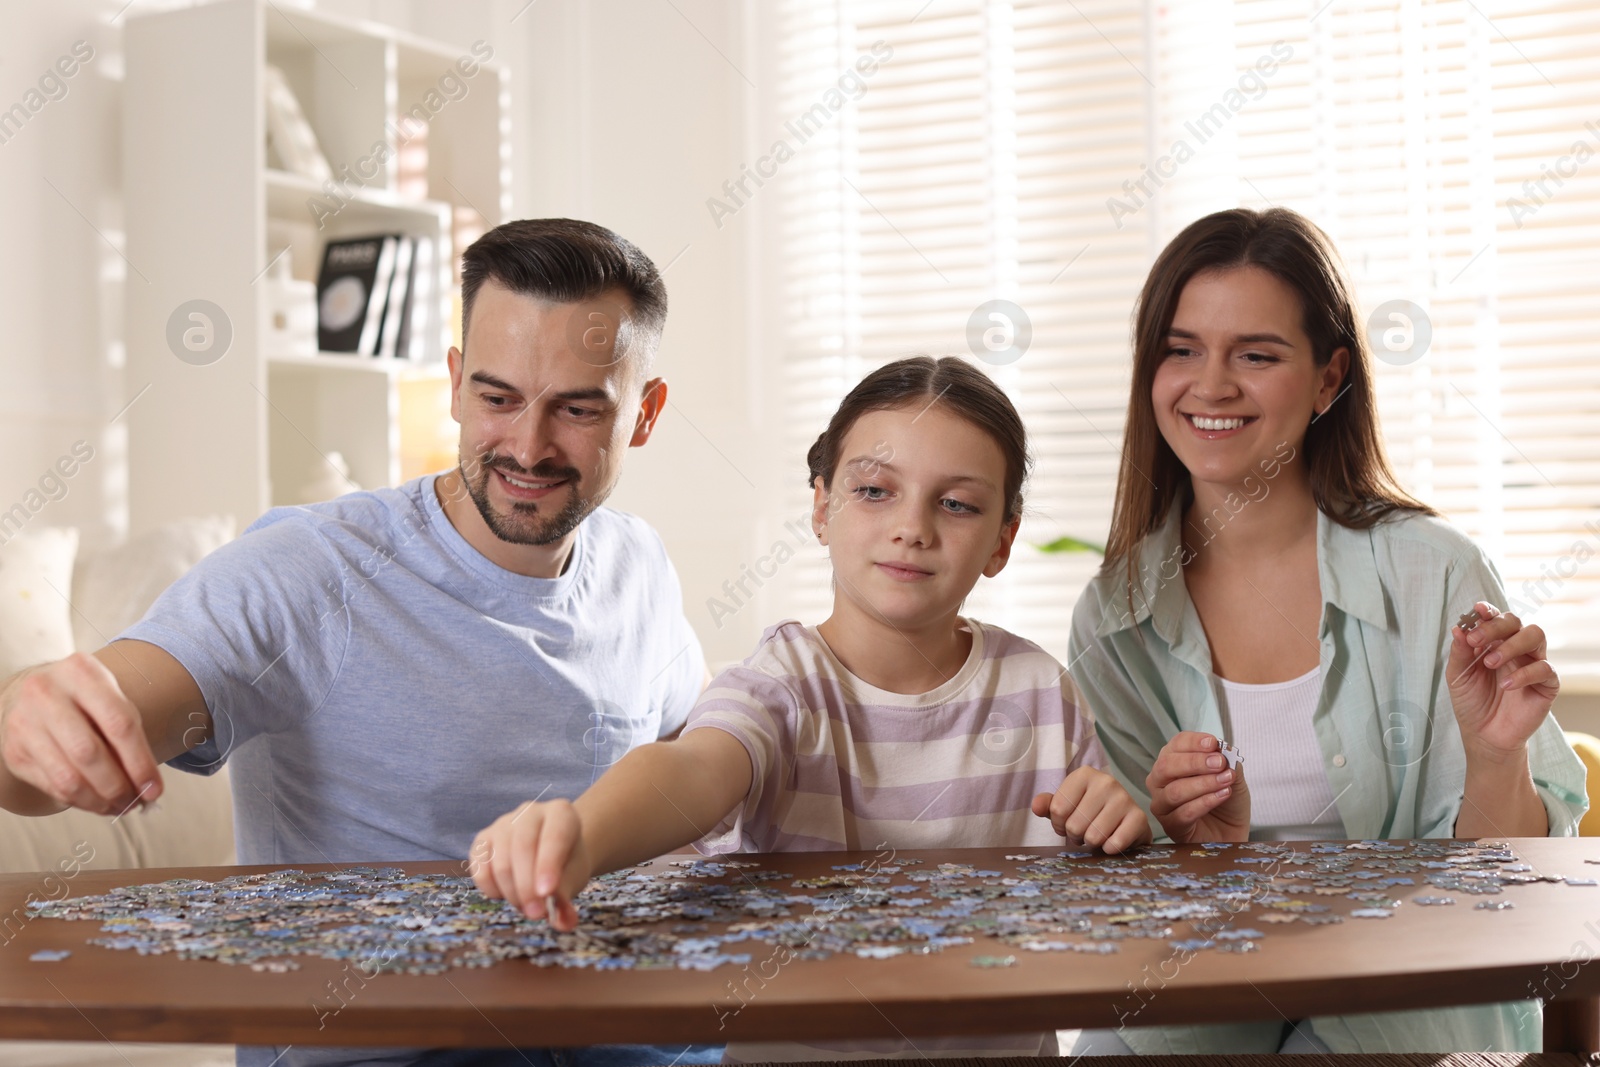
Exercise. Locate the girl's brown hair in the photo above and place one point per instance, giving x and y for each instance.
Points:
(1351, 479)
(968, 391)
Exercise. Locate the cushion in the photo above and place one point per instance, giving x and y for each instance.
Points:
(35, 581)
(190, 826)
(113, 588)
(1587, 746)
(106, 1054)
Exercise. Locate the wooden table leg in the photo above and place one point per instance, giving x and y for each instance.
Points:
(1572, 1026)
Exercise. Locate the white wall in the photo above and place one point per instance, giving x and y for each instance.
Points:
(61, 271)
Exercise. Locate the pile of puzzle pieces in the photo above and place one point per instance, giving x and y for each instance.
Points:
(701, 914)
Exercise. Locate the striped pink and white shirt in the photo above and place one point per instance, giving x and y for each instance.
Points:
(841, 764)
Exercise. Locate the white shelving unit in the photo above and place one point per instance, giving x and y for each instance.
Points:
(207, 215)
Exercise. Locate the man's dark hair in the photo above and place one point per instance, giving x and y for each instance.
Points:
(566, 261)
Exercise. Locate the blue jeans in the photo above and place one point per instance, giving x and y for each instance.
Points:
(588, 1056)
(635, 1055)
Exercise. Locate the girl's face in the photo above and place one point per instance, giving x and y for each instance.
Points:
(914, 516)
(1239, 380)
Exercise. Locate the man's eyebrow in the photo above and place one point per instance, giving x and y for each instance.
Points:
(873, 463)
(1245, 338)
(591, 393)
(485, 378)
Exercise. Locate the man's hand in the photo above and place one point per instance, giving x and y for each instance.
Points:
(1194, 795)
(535, 857)
(1094, 808)
(68, 730)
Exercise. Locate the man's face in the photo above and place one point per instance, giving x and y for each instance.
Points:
(546, 410)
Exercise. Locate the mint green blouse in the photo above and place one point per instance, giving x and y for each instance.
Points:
(1390, 743)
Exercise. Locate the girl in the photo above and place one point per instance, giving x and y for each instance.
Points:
(1266, 580)
(894, 723)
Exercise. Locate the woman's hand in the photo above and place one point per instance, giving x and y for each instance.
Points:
(1094, 808)
(1193, 794)
(1501, 686)
(535, 857)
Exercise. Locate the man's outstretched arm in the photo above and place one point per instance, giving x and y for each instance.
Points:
(90, 731)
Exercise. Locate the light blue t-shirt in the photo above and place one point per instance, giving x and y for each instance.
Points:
(382, 691)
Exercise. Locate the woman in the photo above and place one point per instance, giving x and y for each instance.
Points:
(1267, 581)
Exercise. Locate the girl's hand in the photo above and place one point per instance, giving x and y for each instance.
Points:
(534, 856)
(1094, 808)
(1501, 686)
(1193, 794)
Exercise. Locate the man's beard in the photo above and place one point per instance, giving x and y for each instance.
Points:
(526, 524)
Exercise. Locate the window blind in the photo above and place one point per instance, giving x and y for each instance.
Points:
(975, 166)
(1042, 152)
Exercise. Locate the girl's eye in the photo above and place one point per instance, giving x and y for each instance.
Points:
(866, 492)
(958, 507)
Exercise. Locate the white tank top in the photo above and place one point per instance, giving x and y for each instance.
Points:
(1290, 799)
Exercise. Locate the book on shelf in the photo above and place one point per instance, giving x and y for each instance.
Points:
(399, 293)
(410, 343)
(353, 291)
(379, 298)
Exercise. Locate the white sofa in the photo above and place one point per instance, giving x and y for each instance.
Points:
(193, 823)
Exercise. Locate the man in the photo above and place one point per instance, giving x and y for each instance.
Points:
(389, 671)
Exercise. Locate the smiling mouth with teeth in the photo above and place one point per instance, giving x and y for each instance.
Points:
(532, 485)
(1201, 422)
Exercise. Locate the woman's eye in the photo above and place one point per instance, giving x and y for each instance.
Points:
(1180, 351)
(1260, 358)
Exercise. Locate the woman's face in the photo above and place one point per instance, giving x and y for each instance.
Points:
(1238, 381)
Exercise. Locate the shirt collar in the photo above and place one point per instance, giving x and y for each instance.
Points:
(1346, 568)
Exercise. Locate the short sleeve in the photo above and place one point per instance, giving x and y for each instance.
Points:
(1558, 774)
(761, 712)
(261, 624)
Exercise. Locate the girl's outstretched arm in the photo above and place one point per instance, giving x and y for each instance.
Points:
(658, 797)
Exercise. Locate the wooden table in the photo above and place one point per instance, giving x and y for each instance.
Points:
(1423, 957)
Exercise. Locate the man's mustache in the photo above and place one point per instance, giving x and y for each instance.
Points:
(539, 472)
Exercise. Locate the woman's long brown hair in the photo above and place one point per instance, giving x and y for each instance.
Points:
(1351, 479)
